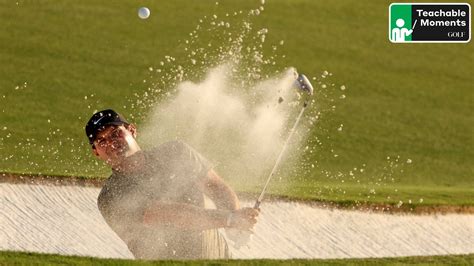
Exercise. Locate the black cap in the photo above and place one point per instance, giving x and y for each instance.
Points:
(102, 119)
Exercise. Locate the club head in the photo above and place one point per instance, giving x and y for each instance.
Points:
(302, 83)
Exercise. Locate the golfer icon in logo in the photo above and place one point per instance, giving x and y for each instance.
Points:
(399, 33)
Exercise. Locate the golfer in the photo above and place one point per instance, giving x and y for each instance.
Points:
(164, 203)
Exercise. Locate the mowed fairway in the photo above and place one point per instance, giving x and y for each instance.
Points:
(20, 258)
(61, 60)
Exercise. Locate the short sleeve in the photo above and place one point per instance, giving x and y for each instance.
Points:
(187, 161)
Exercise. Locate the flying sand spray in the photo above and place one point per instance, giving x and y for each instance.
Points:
(302, 83)
(241, 238)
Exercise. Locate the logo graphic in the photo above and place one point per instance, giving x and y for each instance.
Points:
(97, 121)
(427, 22)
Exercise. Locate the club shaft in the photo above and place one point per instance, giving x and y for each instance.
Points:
(277, 163)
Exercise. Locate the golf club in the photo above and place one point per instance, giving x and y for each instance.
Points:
(302, 83)
(241, 238)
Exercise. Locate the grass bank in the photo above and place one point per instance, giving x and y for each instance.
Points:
(27, 258)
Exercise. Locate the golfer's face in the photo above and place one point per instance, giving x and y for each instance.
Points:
(112, 143)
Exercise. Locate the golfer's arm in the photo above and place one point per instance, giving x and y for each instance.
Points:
(184, 216)
(222, 195)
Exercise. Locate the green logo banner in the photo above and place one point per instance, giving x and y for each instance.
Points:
(429, 22)
(400, 23)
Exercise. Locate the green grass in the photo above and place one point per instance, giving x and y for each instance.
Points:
(403, 101)
(405, 196)
(23, 258)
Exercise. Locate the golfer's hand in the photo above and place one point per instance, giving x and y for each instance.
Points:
(243, 219)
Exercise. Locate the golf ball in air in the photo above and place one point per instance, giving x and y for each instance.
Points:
(143, 12)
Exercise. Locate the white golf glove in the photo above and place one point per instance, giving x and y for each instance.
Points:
(239, 225)
(238, 238)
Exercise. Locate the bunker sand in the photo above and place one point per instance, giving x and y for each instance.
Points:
(65, 220)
